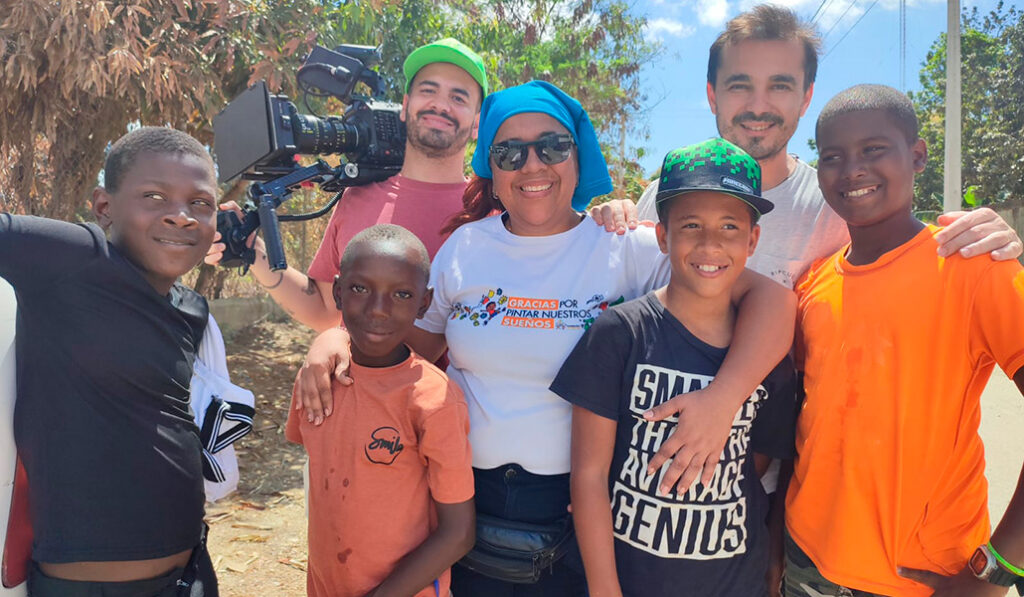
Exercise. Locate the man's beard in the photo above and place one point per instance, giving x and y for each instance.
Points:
(760, 148)
(433, 143)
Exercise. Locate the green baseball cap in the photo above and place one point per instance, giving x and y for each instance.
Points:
(712, 165)
(448, 50)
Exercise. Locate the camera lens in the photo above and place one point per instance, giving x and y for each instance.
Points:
(323, 135)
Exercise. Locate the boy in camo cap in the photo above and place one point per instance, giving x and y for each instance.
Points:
(637, 539)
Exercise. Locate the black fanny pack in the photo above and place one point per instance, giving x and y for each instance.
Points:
(517, 552)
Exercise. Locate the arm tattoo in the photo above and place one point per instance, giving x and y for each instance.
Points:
(310, 286)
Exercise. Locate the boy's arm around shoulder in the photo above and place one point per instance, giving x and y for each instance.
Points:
(765, 320)
(444, 445)
(34, 251)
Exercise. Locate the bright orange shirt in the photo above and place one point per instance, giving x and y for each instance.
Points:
(398, 438)
(890, 466)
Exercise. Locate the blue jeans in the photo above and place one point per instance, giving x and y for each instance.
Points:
(513, 493)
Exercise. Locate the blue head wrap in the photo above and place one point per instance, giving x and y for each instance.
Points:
(543, 97)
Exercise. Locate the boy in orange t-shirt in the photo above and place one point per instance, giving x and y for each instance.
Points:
(391, 480)
(888, 495)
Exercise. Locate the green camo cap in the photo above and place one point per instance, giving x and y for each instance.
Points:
(448, 50)
(713, 165)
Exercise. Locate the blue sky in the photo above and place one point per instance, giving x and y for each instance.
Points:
(868, 52)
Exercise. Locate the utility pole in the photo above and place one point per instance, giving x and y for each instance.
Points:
(621, 187)
(952, 185)
(903, 46)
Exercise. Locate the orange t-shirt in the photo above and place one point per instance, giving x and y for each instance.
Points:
(890, 467)
(398, 438)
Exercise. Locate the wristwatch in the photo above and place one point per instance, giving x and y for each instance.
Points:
(985, 566)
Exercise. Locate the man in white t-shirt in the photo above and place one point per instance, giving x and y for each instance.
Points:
(761, 73)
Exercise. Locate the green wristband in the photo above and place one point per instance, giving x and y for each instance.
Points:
(1005, 564)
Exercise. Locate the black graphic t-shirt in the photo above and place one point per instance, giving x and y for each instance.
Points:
(712, 541)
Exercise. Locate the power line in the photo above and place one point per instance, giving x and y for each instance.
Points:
(849, 30)
(837, 21)
(818, 10)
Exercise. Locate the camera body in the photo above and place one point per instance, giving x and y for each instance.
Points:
(258, 136)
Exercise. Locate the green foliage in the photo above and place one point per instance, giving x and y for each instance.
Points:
(107, 64)
(971, 198)
(593, 49)
(992, 58)
(813, 146)
(76, 75)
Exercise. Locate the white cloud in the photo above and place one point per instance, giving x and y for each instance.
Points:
(659, 29)
(712, 13)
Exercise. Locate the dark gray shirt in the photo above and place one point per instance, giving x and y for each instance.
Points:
(102, 419)
(711, 541)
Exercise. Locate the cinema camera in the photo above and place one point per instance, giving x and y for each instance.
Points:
(258, 136)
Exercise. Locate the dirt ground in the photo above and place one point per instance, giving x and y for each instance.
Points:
(258, 535)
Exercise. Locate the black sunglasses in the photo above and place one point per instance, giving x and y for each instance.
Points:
(551, 149)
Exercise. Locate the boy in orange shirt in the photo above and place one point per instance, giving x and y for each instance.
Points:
(888, 495)
(391, 481)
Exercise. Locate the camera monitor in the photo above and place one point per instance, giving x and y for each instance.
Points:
(244, 133)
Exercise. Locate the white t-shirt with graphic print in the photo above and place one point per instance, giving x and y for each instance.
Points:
(512, 308)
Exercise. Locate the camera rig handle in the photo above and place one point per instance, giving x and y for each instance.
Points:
(271, 233)
(260, 212)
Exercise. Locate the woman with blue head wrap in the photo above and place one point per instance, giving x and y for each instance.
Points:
(519, 280)
(559, 129)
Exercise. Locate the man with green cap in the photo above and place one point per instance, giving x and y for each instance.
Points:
(445, 86)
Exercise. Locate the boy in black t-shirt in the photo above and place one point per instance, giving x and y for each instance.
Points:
(636, 538)
(105, 345)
